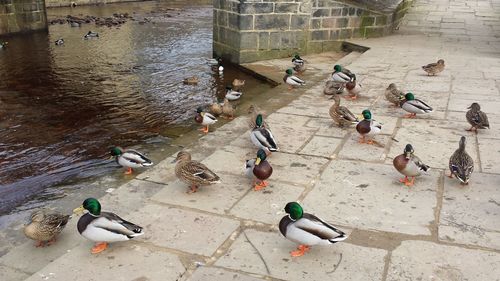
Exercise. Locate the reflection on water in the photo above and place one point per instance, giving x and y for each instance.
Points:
(62, 107)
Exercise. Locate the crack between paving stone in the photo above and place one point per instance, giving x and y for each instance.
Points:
(258, 253)
(434, 226)
(387, 260)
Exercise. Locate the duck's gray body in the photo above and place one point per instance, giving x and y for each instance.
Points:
(310, 230)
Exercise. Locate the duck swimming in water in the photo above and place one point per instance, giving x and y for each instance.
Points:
(91, 34)
(59, 41)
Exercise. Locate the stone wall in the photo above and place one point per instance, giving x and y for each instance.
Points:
(67, 3)
(22, 16)
(251, 30)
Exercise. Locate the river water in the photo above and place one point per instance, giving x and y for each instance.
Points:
(63, 107)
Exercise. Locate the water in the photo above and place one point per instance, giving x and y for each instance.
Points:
(63, 107)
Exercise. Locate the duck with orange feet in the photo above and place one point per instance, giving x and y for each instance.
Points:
(204, 118)
(130, 159)
(409, 165)
(353, 88)
(307, 230)
(44, 226)
(368, 127)
(193, 172)
(103, 227)
(291, 80)
(414, 106)
(259, 169)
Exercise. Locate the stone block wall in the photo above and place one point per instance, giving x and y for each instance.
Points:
(251, 30)
(22, 16)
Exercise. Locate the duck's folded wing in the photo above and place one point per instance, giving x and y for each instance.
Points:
(430, 65)
(347, 114)
(419, 104)
(264, 137)
(319, 228)
(201, 171)
(135, 156)
(113, 223)
(56, 220)
(210, 116)
(297, 79)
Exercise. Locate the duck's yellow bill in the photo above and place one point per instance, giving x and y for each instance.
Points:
(257, 161)
(79, 210)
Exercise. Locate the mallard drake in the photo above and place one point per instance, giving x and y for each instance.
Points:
(103, 227)
(215, 109)
(191, 81)
(307, 230)
(130, 159)
(341, 115)
(292, 80)
(393, 95)
(59, 41)
(254, 111)
(413, 106)
(353, 88)
(3, 45)
(298, 64)
(476, 118)
(231, 94)
(204, 118)
(44, 226)
(193, 172)
(333, 88)
(228, 110)
(409, 165)
(342, 75)
(368, 127)
(434, 68)
(259, 169)
(238, 84)
(461, 164)
(262, 136)
(91, 34)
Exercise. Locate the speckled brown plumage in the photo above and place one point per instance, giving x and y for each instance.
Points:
(45, 226)
(394, 95)
(193, 172)
(434, 68)
(340, 114)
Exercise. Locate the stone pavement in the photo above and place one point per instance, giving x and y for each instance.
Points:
(435, 230)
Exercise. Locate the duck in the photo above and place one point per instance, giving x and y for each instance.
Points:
(298, 63)
(130, 159)
(413, 106)
(333, 88)
(103, 227)
(232, 94)
(461, 164)
(342, 75)
(59, 41)
(394, 95)
(193, 172)
(368, 127)
(44, 226)
(191, 81)
(262, 136)
(238, 84)
(91, 34)
(292, 80)
(205, 119)
(254, 110)
(259, 169)
(476, 118)
(409, 165)
(215, 109)
(353, 88)
(3, 45)
(434, 68)
(74, 24)
(307, 230)
(341, 115)
(228, 110)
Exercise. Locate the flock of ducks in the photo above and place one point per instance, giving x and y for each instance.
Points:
(300, 227)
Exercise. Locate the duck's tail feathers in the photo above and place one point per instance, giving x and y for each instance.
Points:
(135, 234)
(272, 149)
(147, 164)
(339, 238)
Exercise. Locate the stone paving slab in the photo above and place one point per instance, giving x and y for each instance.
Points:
(370, 196)
(220, 274)
(181, 230)
(353, 150)
(471, 214)
(419, 260)
(267, 253)
(8, 273)
(489, 150)
(121, 261)
(321, 146)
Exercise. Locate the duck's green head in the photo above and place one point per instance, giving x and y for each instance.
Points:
(199, 110)
(116, 151)
(367, 114)
(408, 151)
(409, 96)
(294, 210)
(91, 205)
(289, 71)
(259, 120)
(297, 57)
(261, 156)
(337, 68)
(228, 87)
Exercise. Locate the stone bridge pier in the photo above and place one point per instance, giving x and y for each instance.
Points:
(22, 16)
(252, 30)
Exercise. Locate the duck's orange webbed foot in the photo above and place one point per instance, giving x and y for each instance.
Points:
(99, 247)
(411, 115)
(128, 171)
(39, 244)
(301, 250)
(193, 189)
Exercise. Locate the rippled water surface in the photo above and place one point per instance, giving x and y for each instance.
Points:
(62, 107)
